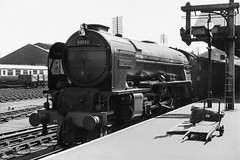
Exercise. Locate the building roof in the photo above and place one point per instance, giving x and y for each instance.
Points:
(46, 46)
(29, 54)
(216, 55)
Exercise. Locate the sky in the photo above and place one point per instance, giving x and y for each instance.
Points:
(25, 22)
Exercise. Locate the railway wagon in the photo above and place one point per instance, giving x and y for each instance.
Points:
(9, 74)
(98, 81)
(200, 77)
(32, 80)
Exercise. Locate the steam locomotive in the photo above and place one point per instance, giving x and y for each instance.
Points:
(98, 81)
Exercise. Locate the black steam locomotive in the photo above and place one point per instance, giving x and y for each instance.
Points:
(98, 82)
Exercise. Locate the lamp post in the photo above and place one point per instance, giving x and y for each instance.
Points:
(209, 26)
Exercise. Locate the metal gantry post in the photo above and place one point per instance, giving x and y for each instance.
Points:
(230, 76)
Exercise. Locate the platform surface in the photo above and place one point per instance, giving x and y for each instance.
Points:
(21, 104)
(19, 123)
(149, 141)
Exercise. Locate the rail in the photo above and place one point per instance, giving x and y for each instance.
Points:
(27, 141)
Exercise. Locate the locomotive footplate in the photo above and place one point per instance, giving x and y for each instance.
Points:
(130, 90)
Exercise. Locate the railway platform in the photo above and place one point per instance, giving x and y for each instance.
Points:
(161, 138)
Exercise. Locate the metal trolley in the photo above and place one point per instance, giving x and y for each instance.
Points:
(205, 121)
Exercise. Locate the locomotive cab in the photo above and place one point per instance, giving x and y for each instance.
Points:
(55, 69)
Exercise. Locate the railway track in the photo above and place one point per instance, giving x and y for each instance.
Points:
(12, 114)
(30, 144)
(17, 94)
(21, 143)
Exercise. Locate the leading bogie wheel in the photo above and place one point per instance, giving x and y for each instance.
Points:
(63, 139)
